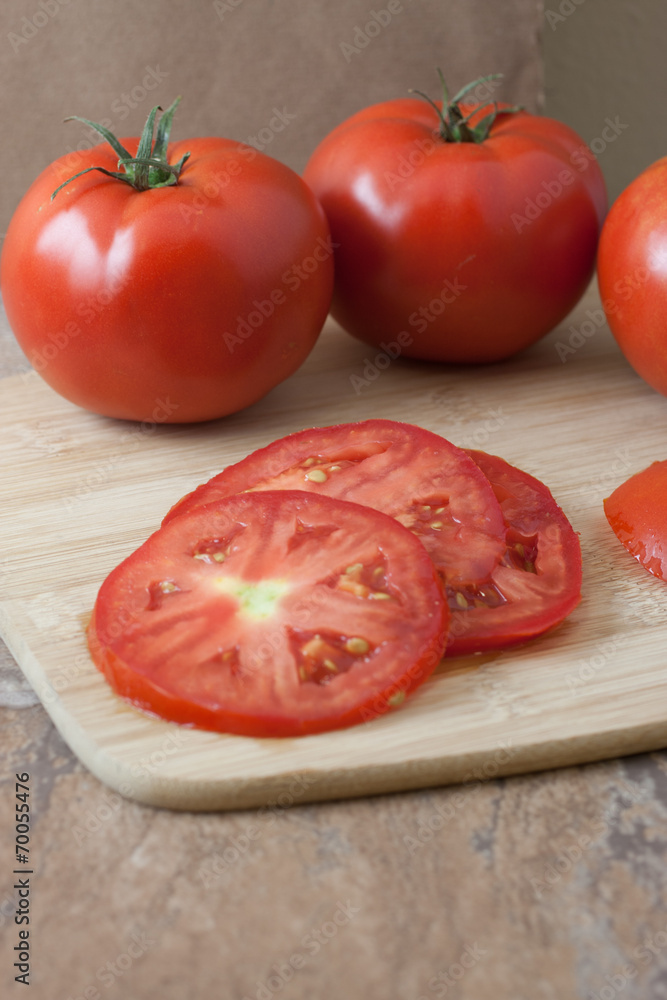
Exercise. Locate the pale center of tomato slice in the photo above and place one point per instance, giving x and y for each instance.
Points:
(256, 600)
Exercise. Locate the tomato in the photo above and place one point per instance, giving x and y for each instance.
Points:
(457, 250)
(180, 302)
(637, 512)
(538, 582)
(632, 274)
(271, 614)
(415, 476)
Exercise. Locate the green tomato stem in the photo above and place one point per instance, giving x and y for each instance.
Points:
(150, 167)
(455, 123)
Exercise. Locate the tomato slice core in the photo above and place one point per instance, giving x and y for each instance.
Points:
(271, 614)
(637, 513)
(538, 581)
(417, 477)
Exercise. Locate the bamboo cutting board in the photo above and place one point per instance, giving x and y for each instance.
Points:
(80, 492)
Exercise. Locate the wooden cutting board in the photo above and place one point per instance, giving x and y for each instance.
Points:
(80, 492)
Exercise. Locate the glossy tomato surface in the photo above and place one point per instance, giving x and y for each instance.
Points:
(271, 614)
(457, 251)
(632, 274)
(538, 582)
(637, 512)
(415, 476)
(179, 303)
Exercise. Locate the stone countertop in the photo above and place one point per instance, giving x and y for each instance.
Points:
(542, 887)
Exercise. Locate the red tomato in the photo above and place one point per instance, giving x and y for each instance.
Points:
(415, 476)
(177, 303)
(632, 274)
(538, 582)
(637, 511)
(271, 614)
(458, 251)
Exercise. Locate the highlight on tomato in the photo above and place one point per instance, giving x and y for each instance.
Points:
(632, 274)
(464, 231)
(177, 281)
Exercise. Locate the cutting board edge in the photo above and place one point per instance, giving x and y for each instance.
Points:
(303, 785)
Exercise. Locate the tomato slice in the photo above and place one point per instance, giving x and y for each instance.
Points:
(271, 614)
(415, 476)
(537, 583)
(637, 512)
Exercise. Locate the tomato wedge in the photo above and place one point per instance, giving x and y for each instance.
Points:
(415, 476)
(637, 512)
(271, 614)
(537, 583)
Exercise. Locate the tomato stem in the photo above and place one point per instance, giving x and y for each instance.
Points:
(455, 121)
(150, 167)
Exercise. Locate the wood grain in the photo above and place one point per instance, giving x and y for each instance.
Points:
(80, 492)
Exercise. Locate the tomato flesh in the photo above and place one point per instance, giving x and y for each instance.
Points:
(637, 513)
(271, 614)
(538, 581)
(419, 478)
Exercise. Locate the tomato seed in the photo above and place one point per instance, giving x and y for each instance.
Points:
(316, 476)
(357, 646)
(354, 587)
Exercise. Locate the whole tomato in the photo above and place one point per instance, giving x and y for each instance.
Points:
(464, 232)
(632, 274)
(179, 284)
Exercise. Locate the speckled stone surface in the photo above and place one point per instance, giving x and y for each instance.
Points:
(544, 887)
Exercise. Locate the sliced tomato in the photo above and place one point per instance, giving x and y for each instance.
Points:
(637, 512)
(537, 583)
(415, 476)
(271, 614)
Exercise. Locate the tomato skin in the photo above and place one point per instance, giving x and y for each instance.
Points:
(637, 513)
(538, 597)
(439, 240)
(224, 645)
(632, 274)
(179, 303)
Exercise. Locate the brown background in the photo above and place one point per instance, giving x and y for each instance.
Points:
(606, 59)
